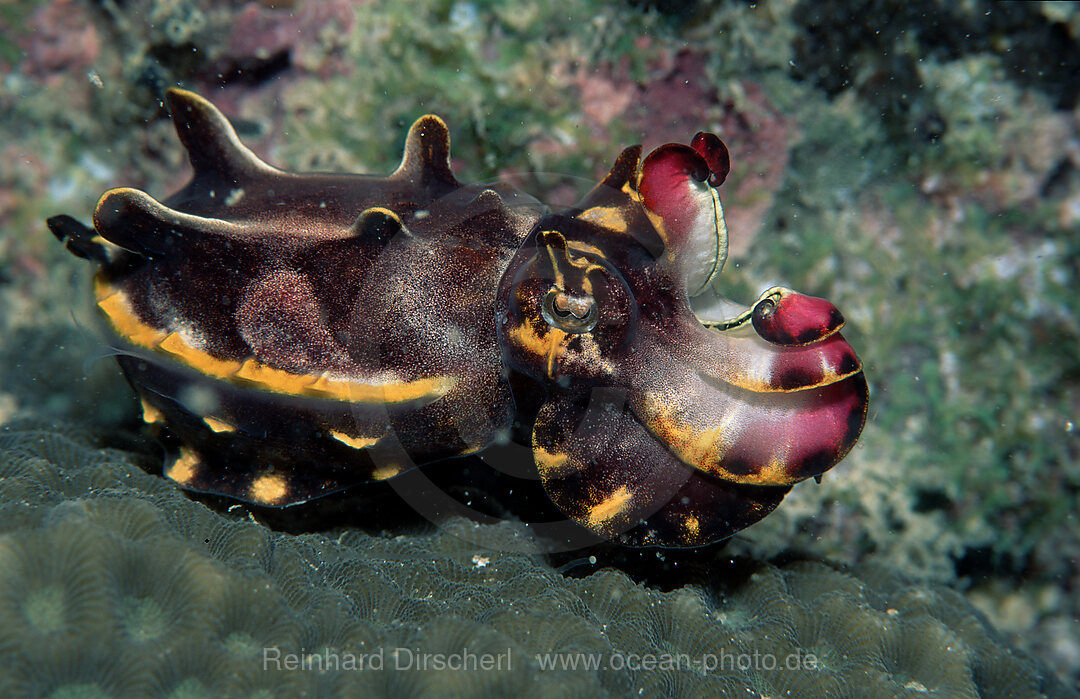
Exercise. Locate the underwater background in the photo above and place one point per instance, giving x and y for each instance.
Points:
(918, 164)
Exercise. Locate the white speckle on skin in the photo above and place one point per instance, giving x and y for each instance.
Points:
(235, 195)
(199, 399)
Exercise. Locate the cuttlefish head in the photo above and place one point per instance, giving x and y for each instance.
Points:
(673, 416)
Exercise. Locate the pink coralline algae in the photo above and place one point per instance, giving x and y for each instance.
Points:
(311, 35)
(62, 39)
(667, 106)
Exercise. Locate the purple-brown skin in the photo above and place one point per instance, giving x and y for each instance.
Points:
(291, 335)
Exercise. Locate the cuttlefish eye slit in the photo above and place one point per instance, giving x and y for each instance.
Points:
(572, 314)
(765, 307)
(295, 334)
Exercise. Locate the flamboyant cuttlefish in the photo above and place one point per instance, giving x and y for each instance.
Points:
(295, 334)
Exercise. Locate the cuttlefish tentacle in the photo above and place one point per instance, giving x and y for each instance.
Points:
(606, 471)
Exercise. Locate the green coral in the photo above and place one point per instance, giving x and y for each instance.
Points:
(971, 96)
(112, 583)
(958, 290)
(499, 74)
(972, 369)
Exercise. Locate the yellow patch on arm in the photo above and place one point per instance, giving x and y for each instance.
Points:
(354, 442)
(184, 469)
(387, 471)
(218, 425)
(268, 489)
(610, 507)
(150, 414)
(549, 464)
(606, 216)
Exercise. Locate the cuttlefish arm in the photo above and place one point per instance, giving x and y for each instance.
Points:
(735, 405)
(608, 472)
(785, 341)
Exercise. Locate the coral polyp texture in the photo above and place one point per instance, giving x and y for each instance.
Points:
(296, 334)
(112, 583)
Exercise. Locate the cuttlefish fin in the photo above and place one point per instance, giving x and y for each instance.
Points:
(213, 147)
(426, 160)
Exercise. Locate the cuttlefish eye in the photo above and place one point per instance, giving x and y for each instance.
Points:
(572, 314)
(765, 307)
(785, 317)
